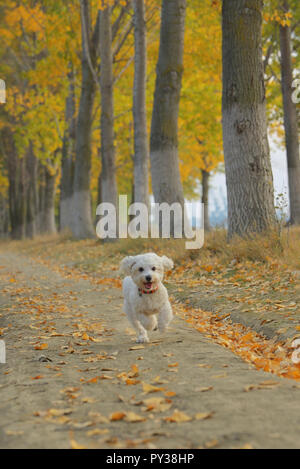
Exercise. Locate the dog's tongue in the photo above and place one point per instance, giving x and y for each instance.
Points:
(148, 285)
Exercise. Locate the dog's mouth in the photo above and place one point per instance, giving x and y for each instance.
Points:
(148, 285)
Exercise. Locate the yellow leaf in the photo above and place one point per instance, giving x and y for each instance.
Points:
(147, 388)
(178, 417)
(133, 417)
(203, 415)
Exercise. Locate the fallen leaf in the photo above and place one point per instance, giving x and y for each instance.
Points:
(178, 417)
(41, 347)
(148, 388)
(75, 445)
(88, 400)
(211, 444)
(116, 416)
(81, 425)
(133, 417)
(98, 431)
(136, 347)
(170, 393)
(14, 432)
(203, 415)
(204, 389)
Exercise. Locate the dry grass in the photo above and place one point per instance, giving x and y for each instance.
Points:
(283, 248)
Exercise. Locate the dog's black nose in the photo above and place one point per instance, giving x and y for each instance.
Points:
(148, 278)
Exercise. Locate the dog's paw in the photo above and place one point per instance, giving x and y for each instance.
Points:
(142, 340)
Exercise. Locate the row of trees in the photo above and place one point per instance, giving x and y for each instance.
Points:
(74, 131)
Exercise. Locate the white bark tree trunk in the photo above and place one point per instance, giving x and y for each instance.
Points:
(82, 224)
(290, 121)
(166, 182)
(108, 174)
(141, 151)
(246, 149)
(49, 208)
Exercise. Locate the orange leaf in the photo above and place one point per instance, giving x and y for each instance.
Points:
(117, 416)
(41, 347)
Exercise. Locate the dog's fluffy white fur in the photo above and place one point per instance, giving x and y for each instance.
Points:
(146, 300)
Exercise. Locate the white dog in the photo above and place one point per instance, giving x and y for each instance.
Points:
(146, 300)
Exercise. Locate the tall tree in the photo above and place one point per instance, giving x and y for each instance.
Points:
(108, 172)
(141, 152)
(17, 184)
(165, 173)
(246, 149)
(290, 118)
(82, 225)
(68, 158)
(32, 193)
(205, 197)
(49, 225)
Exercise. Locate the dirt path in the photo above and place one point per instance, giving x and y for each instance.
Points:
(93, 373)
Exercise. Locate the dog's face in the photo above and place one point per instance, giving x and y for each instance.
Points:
(146, 270)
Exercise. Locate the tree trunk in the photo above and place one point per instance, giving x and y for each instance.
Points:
(246, 149)
(82, 225)
(205, 195)
(49, 208)
(32, 195)
(108, 172)
(4, 216)
(141, 152)
(17, 186)
(41, 198)
(290, 121)
(165, 173)
(68, 159)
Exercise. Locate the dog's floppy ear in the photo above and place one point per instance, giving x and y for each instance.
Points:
(167, 263)
(126, 264)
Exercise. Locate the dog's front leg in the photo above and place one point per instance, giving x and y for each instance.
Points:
(141, 331)
(165, 317)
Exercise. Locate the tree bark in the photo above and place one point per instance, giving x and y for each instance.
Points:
(246, 149)
(32, 194)
(108, 182)
(17, 185)
(68, 159)
(82, 225)
(49, 208)
(205, 198)
(41, 197)
(141, 152)
(4, 216)
(290, 121)
(166, 183)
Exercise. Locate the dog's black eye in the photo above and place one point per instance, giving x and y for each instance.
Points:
(153, 268)
(141, 269)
